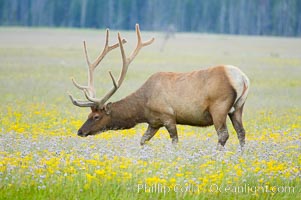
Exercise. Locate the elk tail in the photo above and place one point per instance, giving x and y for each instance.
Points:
(243, 96)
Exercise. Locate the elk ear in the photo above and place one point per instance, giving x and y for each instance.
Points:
(107, 108)
(93, 109)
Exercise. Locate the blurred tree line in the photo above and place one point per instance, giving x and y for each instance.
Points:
(255, 17)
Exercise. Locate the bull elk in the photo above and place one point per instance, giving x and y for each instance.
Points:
(199, 98)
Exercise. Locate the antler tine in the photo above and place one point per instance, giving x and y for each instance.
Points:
(103, 53)
(127, 61)
(139, 45)
(80, 103)
(81, 87)
(89, 87)
(106, 49)
(125, 64)
(86, 54)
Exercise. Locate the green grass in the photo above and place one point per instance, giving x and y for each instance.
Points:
(42, 158)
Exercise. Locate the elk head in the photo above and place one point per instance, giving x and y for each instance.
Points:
(100, 117)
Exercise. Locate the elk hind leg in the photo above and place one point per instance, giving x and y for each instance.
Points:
(236, 119)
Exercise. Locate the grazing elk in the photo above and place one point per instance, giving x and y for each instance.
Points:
(199, 98)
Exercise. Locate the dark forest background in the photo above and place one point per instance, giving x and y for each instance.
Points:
(249, 17)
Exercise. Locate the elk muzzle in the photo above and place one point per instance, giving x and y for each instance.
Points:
(80, 133)
(86, 128)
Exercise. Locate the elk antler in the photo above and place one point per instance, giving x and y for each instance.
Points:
(125, 63)
(89, 89)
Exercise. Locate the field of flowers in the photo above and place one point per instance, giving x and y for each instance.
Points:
(41, 157)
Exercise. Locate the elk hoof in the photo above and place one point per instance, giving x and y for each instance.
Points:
(174, 141)
(241, 149)
(142, 142)
(220, 147)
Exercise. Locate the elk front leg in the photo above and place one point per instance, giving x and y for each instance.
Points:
(150, 132)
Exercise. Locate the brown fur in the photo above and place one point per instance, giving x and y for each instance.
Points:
(198, 98)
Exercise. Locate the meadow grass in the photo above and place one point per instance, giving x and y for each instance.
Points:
(42, 158)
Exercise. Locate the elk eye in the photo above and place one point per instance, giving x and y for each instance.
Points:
(96, 117)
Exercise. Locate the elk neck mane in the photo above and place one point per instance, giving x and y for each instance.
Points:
(127, 112)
